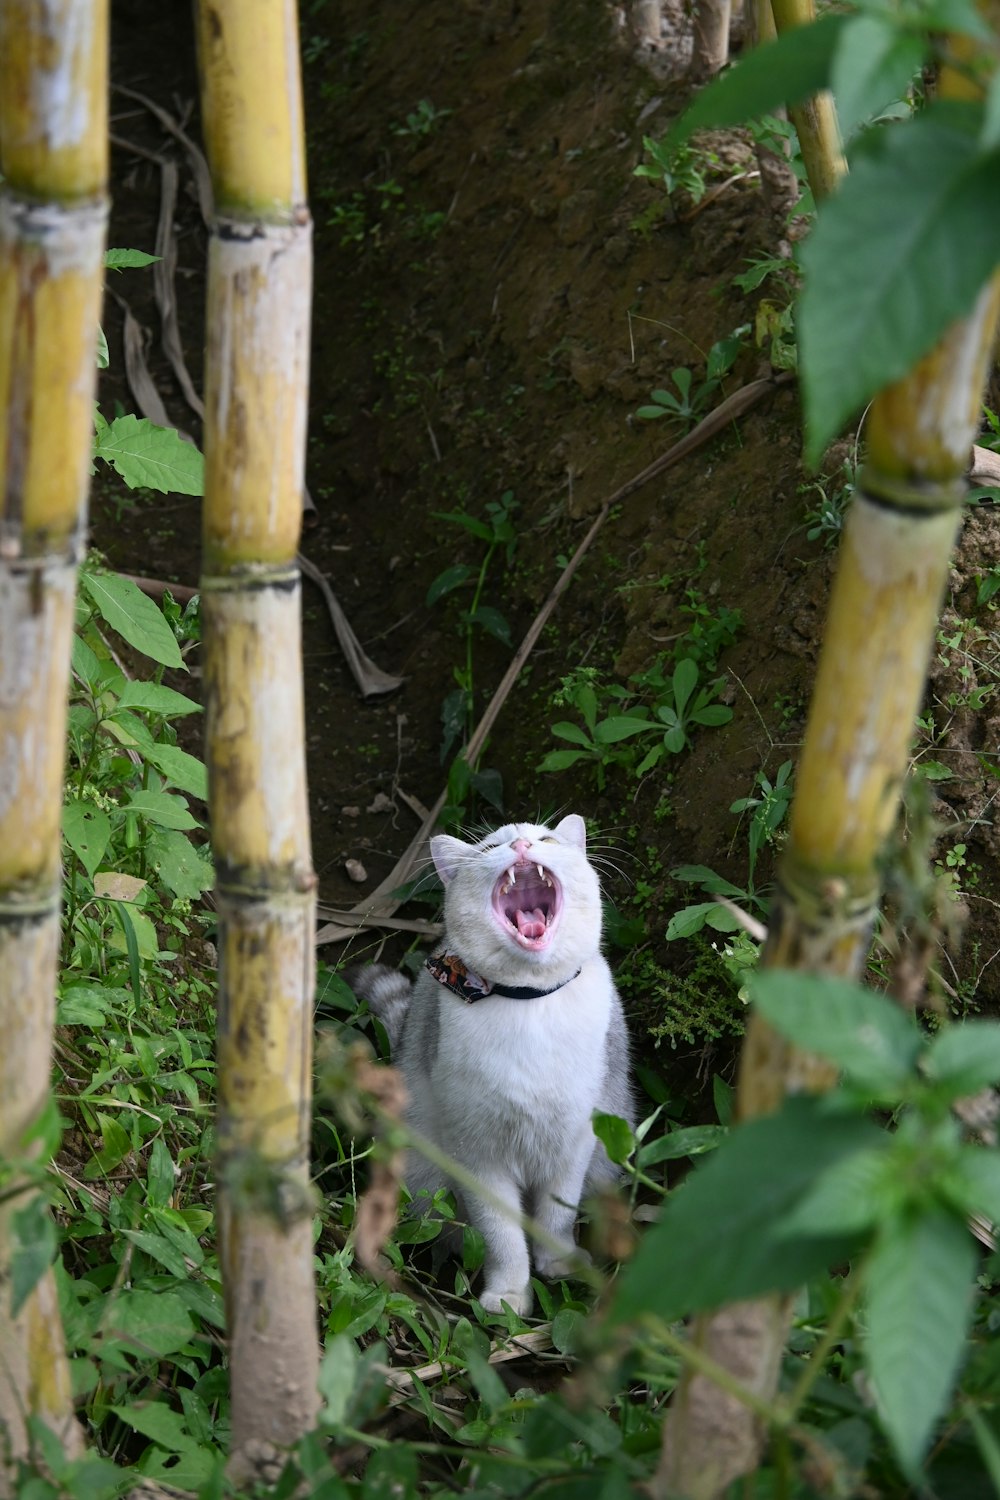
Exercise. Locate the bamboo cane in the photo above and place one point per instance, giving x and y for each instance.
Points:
(259, 275)
(880, 631)
(815, 119)
(53, 218)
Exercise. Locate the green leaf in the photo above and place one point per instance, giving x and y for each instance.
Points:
(119, 260)
(151, 457)
(165, 809)
(702, 875)
(782, 72)
(881, 288)
(684, 681)
(468, 523)
(693, 1141)
(573, 733)
(721, 1236)
(691, 919)
(615, 1135)
(610, 731)
(34, 1248)
(156, 1323)
(444, 583)
(964, 1058)
(568, 1328)
(160, 1175)
(115, 1146)
(337, 1376)
(185, 870)
(136, 618)
(153, 697)
(873, 66)
(919, 1293)
(848, 1197)
(712, 714)
(87, 831)
(560, 760)
(83, 1005)
(972, 1181)
(159, 1249)
(154, 1420)
(184, 770)
(493, 622)
(650, 413)
(871, 1038)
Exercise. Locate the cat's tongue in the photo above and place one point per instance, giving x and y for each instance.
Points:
(531, 924)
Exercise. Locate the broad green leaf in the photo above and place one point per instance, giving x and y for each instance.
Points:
(871, 1038)
(568, 1327)
(136, 618)
(684, 680)
(86, 662)
(782, 72)
(186, 870)
(849, 1196)
(133, 926)
(165, 809)
(154, 1420)
(713, 714)
(159, 1249)
(86, 829)
(115, 1146)
(34, 1247)
(493, 622)
(151, 457)
(469, 523)
(873, 66)
(989, 136)
(573, 733)
(721, 1236)
(161, 1179)
(337, 1374)
(693, 1141)
(615, 1135)
(560, 760)
(103, 357)
(149, 1322)
(919, 1295)
(691, 919)
(119, 260)
(157, 699)
(83, 1005)
(184, 770)
(964, 1058)
(444, 583)
(610, 731)
(972, 1181)
(881, 287)
(702, 875)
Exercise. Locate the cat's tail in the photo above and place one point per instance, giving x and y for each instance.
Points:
(388, 994)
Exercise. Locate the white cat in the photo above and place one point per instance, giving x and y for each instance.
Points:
(511, 1037)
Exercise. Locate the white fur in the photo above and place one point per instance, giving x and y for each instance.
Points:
(508, 1087)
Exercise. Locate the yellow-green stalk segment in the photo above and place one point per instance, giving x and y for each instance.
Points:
(259, 279)
(892, 570)
(815, 119)
(53, 218)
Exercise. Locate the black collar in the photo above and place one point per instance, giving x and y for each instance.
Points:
(453, 974)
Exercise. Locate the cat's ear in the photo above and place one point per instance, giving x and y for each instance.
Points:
(574, 830)
(448, 854)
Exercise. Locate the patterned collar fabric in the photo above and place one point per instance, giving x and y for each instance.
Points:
(453, 974)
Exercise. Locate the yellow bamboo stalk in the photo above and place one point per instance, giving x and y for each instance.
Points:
(891, 575)
(259, 278)
(53, 217)
(815, 119)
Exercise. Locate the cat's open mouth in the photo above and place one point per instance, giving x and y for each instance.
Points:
(527, 900)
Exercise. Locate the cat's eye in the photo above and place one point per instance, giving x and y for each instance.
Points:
(547, 838)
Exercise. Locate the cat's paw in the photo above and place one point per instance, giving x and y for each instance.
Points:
(553, 1267)
(519, 1302)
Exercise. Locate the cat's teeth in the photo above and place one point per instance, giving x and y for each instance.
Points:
(541, 873)
(511, 877)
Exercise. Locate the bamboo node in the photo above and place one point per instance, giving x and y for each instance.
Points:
(250, 577)
(71, 235)
(912, 497)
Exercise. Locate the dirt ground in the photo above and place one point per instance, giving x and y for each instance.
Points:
(495, 295)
